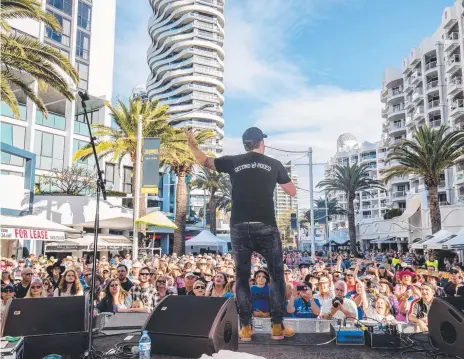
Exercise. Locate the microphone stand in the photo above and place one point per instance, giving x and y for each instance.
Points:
(90, 352)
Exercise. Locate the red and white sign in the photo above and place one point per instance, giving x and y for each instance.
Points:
(31, 234)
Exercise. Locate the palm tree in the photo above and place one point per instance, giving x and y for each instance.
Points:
(427, 154)
(182, 163)
(349, 179)
(332, 209)
(212, 182)
(24, 55)
(122, 142)
(224, 195)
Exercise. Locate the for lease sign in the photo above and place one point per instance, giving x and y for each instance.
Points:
(31, 234)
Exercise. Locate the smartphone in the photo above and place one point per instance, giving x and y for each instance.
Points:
(302, 288)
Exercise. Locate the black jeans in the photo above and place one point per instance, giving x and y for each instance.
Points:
(264, 239)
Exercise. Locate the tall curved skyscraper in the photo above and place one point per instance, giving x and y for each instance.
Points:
(186, 59)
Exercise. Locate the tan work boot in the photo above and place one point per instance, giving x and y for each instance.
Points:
(279, 332)
(246, 333)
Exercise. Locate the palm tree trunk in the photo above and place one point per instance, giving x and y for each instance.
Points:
(352, 224)
(212, 211)
(181, 213)
(435, 215)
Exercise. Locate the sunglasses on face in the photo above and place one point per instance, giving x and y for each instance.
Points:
(152, 273)
(114, 285)
(144, 274)
(7, 291)
(161, 281)
(89, 274)
(37, 287)
(349, 275)
(27, 274)
(200, 287)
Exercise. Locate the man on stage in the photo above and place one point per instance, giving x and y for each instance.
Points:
(253, 226)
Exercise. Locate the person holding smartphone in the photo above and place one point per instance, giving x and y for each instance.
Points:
(302, 303)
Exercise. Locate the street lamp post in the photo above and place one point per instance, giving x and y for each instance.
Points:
(311, 205)
(138, 174)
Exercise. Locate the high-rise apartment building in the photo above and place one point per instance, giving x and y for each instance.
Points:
(370, 204)
(284, 203)
(87, 39)
(427, 91)
(186, 59)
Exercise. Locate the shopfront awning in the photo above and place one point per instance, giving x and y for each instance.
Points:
(33, 228)
(105, 242)
(431, 240)
(383, 240)
(453, 241)
(157, 219)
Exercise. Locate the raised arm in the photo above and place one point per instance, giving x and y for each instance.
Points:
(200, 156)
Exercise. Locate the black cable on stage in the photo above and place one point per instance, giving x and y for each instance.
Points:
(123, 350)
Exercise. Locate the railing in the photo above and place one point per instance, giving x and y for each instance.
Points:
(7, 112)
(443, 203)
(417, 94)
(419, 110)
(459, 176)
(435, 123)
(432, 84)
(54, 120)
(430, 65)
(454, 59)
(453, 36)
(457, 104)
(397, 126)
(397, 108)
(397, 91)
(399, 194)
(455, 81)
(433, 103)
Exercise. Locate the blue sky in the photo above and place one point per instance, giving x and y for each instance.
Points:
(305, 71)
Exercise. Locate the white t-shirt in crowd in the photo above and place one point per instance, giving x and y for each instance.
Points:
(347, 303)
(324, 299)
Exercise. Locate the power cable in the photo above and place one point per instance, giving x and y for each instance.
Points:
(278, 149)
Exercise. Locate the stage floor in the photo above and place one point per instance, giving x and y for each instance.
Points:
(298, 347)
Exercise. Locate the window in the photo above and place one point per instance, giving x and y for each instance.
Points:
(80, 125)
(82, 45)
(64, 36)
(15, 136)
(49, 149)
(54, 120)
(127, 179)
(63, 5)
(88, 163)
(109, 175)
(83, 70)
(83, 15)
(6, 111)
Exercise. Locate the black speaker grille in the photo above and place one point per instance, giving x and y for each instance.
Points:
(448, 332)
(189, 316)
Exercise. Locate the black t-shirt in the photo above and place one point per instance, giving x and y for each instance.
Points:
(20, 290)
(127, 285)
(450, 289)
(253, 177)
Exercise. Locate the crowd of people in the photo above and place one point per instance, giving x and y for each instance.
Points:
(388, 286)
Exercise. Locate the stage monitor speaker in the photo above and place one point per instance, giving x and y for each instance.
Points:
(446, 327)
(48, 325)
(190, 326)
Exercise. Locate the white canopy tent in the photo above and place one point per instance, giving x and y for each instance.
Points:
(453, 241)
(427, 241)
(204, 240)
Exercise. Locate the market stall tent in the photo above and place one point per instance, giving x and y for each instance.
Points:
(204, 240)
(453, 241)
(427, 241)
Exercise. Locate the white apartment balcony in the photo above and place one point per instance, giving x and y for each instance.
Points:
(397, 127)
(453, 63)
(399, 179)
(455, 85)
(384, 95)
(432, 86)
(416, 77)
(396, 110)
(408, 102)
(459, 178)
(417, 95)
(452, 41)
(385, 111)
(368, 158)
(396, 93)
(432, 65)
(433, 105)
(456, 108)
(434, 122)
(407, 85)
(418, 113)
(398, 196)
(450, 18)
(410, 120)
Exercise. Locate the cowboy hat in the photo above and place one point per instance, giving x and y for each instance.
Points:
(55, 265)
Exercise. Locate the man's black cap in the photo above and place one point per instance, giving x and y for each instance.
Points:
(253, 134)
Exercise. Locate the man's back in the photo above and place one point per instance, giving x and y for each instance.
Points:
(253, 177)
